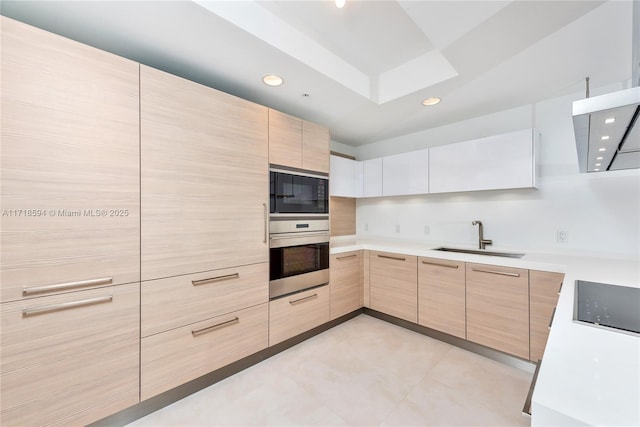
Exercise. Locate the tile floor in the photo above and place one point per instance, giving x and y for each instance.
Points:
(365, 372)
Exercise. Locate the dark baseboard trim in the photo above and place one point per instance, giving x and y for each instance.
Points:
(487, 352)
(155, 403)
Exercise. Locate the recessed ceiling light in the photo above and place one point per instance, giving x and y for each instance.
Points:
(602, 149)
(605, 138)
(599, 158)
(610, 120)
(272, 80)
(431, 101)
(598, 164)
(596, 169)
(340, 3)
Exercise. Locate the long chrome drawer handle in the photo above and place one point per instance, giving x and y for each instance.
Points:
(298, 301)
(392, 257)
(215, 279)
(553, 314)
(526, 410)
(65, 306)
(266, 222)
(64, 286)
(347, 256)
(502, 273)
(197, 332)
(439, 265)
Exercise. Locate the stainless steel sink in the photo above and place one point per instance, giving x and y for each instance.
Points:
(481, 252)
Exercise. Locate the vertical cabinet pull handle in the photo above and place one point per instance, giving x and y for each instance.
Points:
(65, 306)
(266, 222)
(347, 256)
(439, 264)
(301, 300)
(220, 325)
(65, 286)
(502, 273)
(560, 288)
(215, 279)
(553, 314)
(396, 258)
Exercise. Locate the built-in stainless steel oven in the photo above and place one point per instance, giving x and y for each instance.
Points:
(298, 255)
(299, 193)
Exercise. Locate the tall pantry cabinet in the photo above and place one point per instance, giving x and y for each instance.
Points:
(69, 230)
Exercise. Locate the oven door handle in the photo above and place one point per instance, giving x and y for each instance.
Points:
(298, 239)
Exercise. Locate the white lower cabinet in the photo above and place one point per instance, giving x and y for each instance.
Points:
(175, 357)
(70, 359)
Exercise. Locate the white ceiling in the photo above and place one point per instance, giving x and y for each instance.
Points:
(368, 66)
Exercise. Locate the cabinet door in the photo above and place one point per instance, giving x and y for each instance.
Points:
(204, 178)
(544, 289)
(342, 179)
(346, 283)
(285, 139)
(294, 314)
(441, 295)
(69, 165)
(172, 358)
(372, 178)
(495, 162)
(406, 173)
(315, 147)
(70, 359)
(393, 283)
(498, 308)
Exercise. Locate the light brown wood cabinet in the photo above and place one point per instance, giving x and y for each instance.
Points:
(176, 301)
(393, 284)
(346, 283)
(204, 178)
(544, 290)
(69, 165)
(298, 143)
(70, 359)
(441, 295)
(498, 308)
(177, 356)
(297, 313)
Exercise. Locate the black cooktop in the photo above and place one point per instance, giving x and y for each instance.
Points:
(611, 306)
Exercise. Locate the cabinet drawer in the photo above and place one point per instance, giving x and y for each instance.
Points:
(544, 288)
(346, 283)
(441, 295)
(70, 359)
(178, 301)
(175, 357)
(393, 284)
(498, 308)
(297, 313)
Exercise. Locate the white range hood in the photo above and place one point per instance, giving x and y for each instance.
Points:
(607, 131)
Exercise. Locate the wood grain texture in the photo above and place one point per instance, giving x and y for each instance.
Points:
(173, 302)
(315, 147)
(366, 278)
(70, 367)
(343, 216)
(394, 284)
(498, 308)
(346, 283)
(288, 318)
(70, 148)
(285, 139)
(172, 358)
(441, 295)
(544, 288)
(204, 177)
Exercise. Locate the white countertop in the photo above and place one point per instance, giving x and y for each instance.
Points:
(589, 376)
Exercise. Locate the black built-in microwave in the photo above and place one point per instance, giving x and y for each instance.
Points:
(298, 193)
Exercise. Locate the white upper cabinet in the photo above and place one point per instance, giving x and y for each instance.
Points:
(372, 178)
(497, 162)
(406, 173)
(344, 177)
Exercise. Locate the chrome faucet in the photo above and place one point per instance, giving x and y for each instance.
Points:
(482, 242)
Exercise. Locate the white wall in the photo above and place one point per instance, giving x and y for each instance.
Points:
(600, 212)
